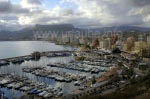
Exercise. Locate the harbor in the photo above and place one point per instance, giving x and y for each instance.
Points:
(74, 49)
(14, 61)
(29, 87)
(20, 59)
(57, 74)
(79, 67)
(67, 74)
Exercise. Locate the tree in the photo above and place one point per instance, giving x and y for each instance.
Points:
(93, 80)
(95, 43)
(130, 71)
(116, 50)
(85, 48)
(36, 55)
(114, 39)
(120, 64)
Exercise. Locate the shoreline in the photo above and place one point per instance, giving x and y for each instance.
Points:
(12, 44)
(42, 54)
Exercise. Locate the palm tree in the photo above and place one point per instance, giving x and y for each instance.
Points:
(120, 64)
(93, 80)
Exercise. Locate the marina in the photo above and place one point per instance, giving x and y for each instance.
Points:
(79, 67)
(29, 86)
(74, 49)
(56, 70)
(57, 75)
(39, 72)
(14, 63)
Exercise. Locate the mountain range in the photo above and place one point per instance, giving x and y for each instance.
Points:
(27, 33)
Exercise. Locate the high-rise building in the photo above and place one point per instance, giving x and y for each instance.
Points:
(130, 43)
(148, 40)
(105, 43)
(140, 38)
(125, 46)
(139, 45)
(148, 44)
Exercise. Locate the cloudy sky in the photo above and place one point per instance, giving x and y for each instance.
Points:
(81, 13)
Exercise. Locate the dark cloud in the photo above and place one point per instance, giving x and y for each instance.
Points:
(139, 3)
(18, 9)
(37, 2)
(7, 18)
(5, 6)
(8, 7)
(86, 13)
(45, 19)
(128, 20)
(67, 12)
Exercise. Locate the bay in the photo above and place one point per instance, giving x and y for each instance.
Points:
(19, 48)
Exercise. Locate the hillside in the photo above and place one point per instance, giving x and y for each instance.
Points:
(27, 33)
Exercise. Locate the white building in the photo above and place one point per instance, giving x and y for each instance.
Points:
(105, 44)
(148, 39)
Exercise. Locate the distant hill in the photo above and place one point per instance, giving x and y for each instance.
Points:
(123, 28)
(27, 33)
(63, 27)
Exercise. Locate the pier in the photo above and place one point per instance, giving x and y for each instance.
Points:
(41, 53)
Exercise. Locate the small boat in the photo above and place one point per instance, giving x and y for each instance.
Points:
(10, 85)
(49, 87)
(51, 76)
(38, 91)
(18, 85)
(68, 80)
(25, 88)
(28, 70)
(95, 70)
(42, 93)
(59, 93)
(87, 70)
(77, 83)
(17, 61)
(33, 91)
(54, 90)
(58, 78)
(4, 81)
(51, 55)
(2, 63)
(48, 95)
(82, 77)
(81, 88)
(103, 70)
(28, 58)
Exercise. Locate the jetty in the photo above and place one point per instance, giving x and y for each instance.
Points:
(19, 59)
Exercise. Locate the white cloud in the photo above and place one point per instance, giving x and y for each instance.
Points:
(31, 3)
(2, 21)
(25, 20)
(81, 13)
(147, 18)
